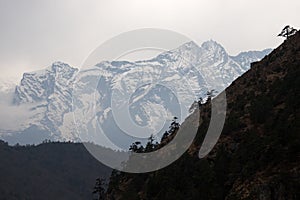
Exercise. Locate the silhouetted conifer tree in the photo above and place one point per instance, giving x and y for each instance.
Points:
(287, 31)
(99, 189)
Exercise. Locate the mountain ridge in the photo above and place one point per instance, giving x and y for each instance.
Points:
(51, 89)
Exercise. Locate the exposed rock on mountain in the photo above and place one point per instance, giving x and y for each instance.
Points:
(155, 89)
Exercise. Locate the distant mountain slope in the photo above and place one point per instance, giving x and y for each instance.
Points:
(45, 96)
(48, 171)
(258, 154)
(246, 58)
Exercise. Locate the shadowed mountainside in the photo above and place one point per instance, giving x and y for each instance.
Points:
(258, 154)
(48, 171)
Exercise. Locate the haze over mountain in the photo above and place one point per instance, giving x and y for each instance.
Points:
(43, 104)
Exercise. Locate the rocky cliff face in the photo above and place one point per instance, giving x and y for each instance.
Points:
(49, 92)
(257, 156)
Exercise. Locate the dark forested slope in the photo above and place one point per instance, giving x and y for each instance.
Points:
(258, 154)
(48, 171)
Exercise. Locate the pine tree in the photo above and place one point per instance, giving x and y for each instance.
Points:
(174, 126)
(99, 188)
(136, 147)
(150, 144)
(210, 94)
(287, 31)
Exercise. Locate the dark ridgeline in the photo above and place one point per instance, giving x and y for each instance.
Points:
(49, 171)
(258, 154)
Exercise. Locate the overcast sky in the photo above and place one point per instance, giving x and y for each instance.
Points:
(35, 33)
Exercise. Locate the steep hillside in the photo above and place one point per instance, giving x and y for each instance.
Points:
(48, 171)
(258, 154)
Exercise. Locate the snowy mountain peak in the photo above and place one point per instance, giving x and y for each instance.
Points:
(60, 66)
(193, 53)
(39, 85)
(212, 46)
(189, 46)
(208, 45)
(50, 91)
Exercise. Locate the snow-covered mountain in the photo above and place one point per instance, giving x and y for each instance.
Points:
(154, 90)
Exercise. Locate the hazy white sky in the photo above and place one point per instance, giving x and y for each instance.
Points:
(35, 33)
